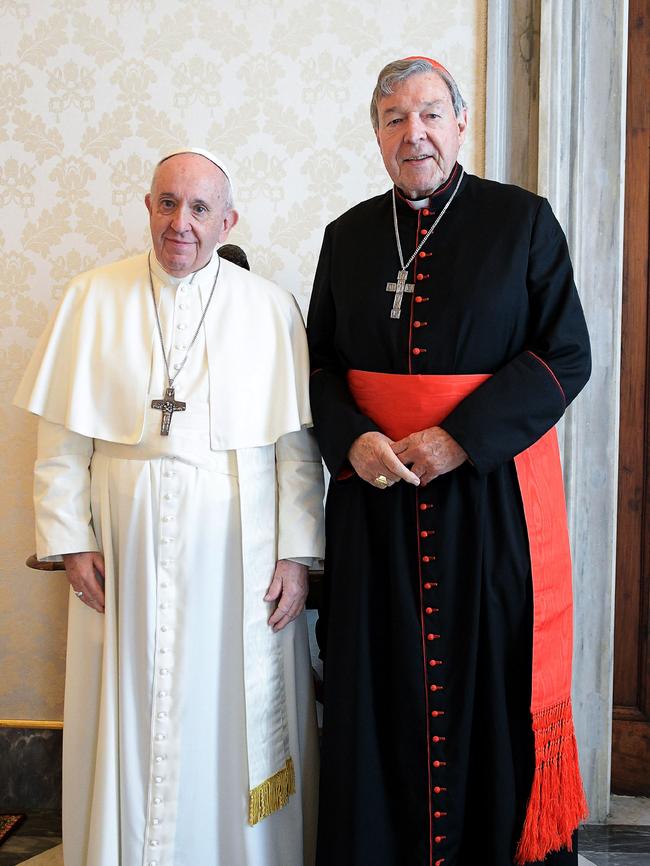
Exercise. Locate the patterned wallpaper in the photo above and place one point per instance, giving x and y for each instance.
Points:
(91, 93)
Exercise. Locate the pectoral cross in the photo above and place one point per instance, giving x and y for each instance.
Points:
(399, 288)
(168, 405)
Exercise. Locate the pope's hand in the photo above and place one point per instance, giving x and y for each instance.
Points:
(430, 453)
(289, 588)
(81, 570)
(371, 456)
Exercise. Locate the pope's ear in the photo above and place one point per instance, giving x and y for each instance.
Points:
(147, 201)
(230, 220)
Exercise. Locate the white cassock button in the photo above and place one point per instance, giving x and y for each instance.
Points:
(159, 759)
(164, 671)
(162, 715)
(163, 628)
(160, 737)
(182, 306)
(164, 584)
(180, 346)
(154, 843)
(156, 821)
(162, 694)
(177, 366)
(158, 779)
(157, 801)
(181, 327)
(153, 863)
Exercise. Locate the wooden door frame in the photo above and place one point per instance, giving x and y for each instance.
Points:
(631, 715)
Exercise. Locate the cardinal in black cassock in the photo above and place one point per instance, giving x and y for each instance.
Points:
(446, 622)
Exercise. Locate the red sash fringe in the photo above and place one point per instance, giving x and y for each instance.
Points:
(403, 404)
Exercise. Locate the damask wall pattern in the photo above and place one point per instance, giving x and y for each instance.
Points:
(91, 94)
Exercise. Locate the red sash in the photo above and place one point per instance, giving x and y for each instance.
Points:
(404, 404)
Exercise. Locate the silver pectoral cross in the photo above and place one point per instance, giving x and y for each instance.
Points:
(399, 288)
(168, 405)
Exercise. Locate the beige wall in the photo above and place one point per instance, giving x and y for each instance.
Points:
(90, 95)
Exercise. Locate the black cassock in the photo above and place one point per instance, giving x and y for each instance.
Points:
(411, 776)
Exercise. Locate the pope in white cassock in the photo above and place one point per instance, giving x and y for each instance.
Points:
(177, 478)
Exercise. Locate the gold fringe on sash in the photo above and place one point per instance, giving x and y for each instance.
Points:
(272, 794)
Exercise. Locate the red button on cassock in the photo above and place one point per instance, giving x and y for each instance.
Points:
(425, 211)
(421, 277)
(429, 610)
(438, 790)
(439, 814)
(439, 839)
(432, 636)
(423, 231)
(438, 739)
(437, 764)
(428, 585)
(436, 713)
(434, 663)
(439, 862)
(418, 351)
(424, 506)
(435, 688)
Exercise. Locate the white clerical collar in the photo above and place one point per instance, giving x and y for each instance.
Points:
(418, 204)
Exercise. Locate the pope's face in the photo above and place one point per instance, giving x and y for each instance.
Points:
(188, 212)
(419, 135)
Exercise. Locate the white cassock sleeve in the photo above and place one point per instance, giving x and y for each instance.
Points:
(62, 492)
(300, 497)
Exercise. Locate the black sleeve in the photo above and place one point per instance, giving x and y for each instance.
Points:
(337, 420)
(527, 396)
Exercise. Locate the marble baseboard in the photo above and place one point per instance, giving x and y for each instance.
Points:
(629, 810)
(30, 769)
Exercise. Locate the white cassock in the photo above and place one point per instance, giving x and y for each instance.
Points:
(181, 704)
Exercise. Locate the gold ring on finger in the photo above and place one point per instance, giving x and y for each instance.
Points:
(382, 481)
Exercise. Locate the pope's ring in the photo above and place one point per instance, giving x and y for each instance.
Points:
(382, 481)
(78, 593)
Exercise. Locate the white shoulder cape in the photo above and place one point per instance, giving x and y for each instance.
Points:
(90, 370)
